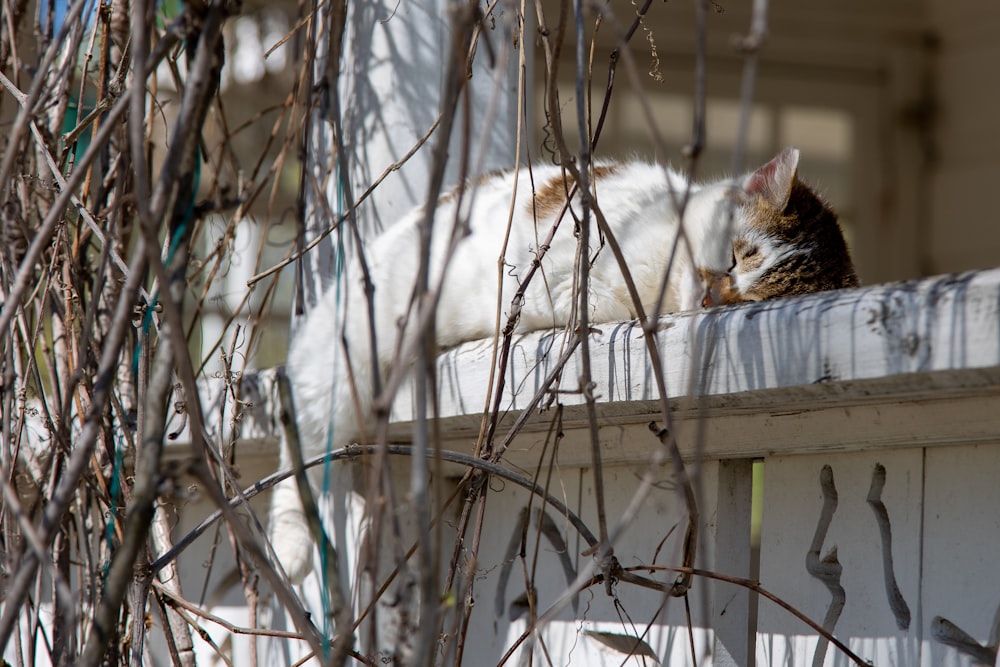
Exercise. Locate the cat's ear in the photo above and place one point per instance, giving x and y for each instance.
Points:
(774, 180)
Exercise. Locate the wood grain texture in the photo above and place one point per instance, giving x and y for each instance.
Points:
(897, 365)
(886, 366)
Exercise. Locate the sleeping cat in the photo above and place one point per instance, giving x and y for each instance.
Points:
(784, 240)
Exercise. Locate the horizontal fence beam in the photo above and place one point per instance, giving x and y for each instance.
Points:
(915, 363)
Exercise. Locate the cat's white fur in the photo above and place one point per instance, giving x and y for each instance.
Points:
(636, 200)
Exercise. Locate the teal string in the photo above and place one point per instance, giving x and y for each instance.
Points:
(75, 110)
(114, 491)
(175, 242)
(147, 321)
(339, 262)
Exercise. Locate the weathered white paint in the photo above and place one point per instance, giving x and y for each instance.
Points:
(932, 343)
(792, 504)
(492, 629)
(731, 604)
(903, 375)
(897, 361)
(961, 544)
(945, 536)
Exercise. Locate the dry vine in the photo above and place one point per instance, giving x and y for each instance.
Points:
(126, 178)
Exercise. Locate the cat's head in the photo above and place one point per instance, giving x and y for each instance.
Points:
(787, 240)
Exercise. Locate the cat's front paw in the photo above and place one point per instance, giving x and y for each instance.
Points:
(292, 542)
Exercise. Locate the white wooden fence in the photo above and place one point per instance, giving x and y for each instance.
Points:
(876, 415)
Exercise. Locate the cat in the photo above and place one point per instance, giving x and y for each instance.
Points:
(783, 239)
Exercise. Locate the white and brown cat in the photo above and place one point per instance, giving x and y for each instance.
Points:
(783, 239)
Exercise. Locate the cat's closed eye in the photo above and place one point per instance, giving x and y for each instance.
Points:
(748, 256)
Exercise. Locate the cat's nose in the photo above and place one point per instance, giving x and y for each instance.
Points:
(720, 289)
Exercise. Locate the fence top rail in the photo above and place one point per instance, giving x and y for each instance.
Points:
(903, 364)
(921, 353)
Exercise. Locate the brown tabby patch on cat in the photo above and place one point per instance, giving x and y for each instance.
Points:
(806, 222)
(551, 196)
(752, 258)
(791, 242)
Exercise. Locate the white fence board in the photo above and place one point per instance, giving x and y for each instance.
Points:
(888, 345)
(793, 505)
(945, 528)
(961, 546)
(492, 630)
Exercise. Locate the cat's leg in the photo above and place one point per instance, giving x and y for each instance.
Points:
(287, 527)
(327, 399)
(691, 290)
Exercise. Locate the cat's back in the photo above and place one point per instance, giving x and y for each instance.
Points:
(522, 205)
(509, 213)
